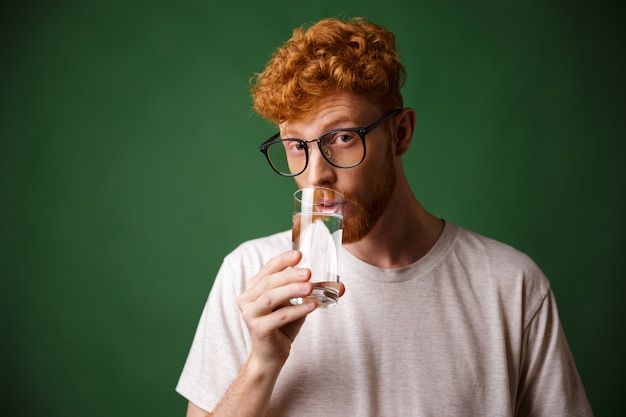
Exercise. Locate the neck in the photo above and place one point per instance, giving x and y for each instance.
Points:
(403, 235)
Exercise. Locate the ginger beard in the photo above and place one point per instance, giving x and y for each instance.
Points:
(365, 211)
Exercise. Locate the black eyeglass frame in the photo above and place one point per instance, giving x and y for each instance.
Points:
(361, 131)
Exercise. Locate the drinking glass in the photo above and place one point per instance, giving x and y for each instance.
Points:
(317, 233)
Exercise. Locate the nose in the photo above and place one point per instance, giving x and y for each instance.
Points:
(319, 173)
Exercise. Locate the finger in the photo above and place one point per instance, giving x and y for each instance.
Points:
(277, 272)
(272, 282)
(342, 289)
(276, 264)
(271, 299)
(266, 325)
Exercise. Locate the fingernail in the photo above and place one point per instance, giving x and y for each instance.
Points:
(302, 272)
(312, 305)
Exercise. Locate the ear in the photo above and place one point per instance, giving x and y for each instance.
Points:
(404, 130)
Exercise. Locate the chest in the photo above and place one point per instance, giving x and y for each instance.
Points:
(418, 350)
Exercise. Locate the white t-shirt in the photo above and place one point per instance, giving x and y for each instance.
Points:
(471, 329)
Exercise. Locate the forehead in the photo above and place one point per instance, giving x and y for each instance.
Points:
(338, 110)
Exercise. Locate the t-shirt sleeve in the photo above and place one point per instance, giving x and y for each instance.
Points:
(549, 383)
(220, 345)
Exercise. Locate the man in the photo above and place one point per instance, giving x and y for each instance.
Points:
(435, 320)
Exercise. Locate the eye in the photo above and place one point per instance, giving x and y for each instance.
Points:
(295, 147)
(345, 138)
(342, 139)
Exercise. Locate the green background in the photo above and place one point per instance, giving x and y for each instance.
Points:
(129, 167)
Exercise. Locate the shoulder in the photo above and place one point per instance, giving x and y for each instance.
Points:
(256, 252)
(246, 260)
(490, 253)
(264, 246)
(495, 265)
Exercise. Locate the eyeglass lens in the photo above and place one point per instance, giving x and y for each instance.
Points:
(341, 148)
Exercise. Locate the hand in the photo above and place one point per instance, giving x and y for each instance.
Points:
(272, 321)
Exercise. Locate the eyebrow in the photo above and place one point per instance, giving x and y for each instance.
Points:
(338, 124)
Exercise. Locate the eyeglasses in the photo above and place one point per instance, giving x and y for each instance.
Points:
(342, 148)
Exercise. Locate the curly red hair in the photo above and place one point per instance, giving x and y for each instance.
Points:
(355, 55)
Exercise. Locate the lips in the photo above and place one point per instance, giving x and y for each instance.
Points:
(328, 207)
(319, 200)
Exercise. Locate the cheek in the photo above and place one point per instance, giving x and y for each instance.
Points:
(371, 171)
(298, 184)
